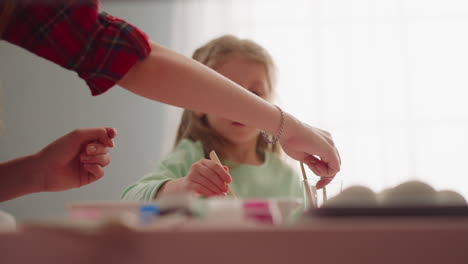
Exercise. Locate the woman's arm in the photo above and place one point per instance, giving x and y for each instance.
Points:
(17, 177)
(171, 78)
(73, 160)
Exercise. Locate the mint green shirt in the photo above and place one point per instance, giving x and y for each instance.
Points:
(273, 179)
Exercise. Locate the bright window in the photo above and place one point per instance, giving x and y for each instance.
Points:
(388, 78)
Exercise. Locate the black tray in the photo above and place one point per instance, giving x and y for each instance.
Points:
(431, 211)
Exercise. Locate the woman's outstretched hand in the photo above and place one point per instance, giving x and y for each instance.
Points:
(312, 146)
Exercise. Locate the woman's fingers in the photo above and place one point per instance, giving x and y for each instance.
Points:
(93, 159)
(323, 182)
(101, 134)
(96, 148)
(320, 169)
(313, 169)
(111, 132)
(95, 172)
(102, 159)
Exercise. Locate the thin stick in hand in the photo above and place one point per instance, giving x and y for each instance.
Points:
(324, 192)
(215, 158)
(309, 195)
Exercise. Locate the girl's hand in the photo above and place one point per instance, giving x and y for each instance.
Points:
(313, 147)
(207, 178)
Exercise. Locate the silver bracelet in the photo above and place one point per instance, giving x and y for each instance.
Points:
(280, 130)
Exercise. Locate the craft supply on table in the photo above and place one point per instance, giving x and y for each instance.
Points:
(207, 211)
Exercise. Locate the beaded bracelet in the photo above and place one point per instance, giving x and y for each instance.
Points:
(280, 130)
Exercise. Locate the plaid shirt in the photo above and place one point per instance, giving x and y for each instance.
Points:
(99, 47)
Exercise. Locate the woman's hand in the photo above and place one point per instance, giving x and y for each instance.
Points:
(76, 159)
(312, 146)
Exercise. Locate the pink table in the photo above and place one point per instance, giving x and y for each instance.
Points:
(364, 240)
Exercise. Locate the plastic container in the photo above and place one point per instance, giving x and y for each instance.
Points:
(314, 197)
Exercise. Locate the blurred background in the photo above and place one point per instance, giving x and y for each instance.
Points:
(387, 78)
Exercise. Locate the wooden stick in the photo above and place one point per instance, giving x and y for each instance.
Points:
(215, 158)
(309, 195)
(324, 192)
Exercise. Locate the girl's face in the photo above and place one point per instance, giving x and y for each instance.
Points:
(252, 76)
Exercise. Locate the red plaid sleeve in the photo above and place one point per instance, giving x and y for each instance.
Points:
(99, 47)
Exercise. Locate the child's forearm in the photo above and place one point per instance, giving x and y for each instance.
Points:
(170, 187)
(171, 78)
(19, 177)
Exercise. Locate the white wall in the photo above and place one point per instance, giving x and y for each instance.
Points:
(386, 78)
(41, 101)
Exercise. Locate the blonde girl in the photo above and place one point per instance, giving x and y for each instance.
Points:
(253, 168)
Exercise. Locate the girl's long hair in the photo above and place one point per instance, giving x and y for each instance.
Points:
(195, 127)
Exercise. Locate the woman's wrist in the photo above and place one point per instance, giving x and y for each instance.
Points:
(37, 170)
(20, 177)
(277, 135)
(291, 126)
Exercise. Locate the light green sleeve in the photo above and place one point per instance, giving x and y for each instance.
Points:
(176, 165)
